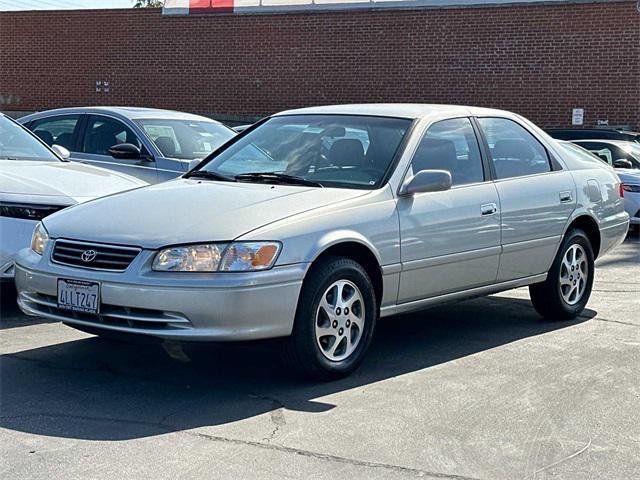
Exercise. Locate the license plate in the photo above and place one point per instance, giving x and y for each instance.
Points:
(78, 296)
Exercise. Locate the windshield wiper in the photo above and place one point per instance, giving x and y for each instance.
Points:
(273, 177)
(209, 175)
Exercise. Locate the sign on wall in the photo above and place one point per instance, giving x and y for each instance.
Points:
(191, 7)
(577, 116)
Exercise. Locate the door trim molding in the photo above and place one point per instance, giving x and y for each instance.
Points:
(451, 258)
(527, 244)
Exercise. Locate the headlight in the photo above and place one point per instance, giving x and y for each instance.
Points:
(631, 188)
(39, 239)
(248, 256)
(214, 257)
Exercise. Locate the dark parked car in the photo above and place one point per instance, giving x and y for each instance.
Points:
(593, 133)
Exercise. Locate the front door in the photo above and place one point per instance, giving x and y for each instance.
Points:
(450, 241)
(101, 133)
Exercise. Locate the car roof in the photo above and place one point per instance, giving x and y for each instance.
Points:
(397, 110)
(131, 113)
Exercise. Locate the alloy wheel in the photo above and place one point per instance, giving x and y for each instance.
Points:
(339, 322)
(574, 273)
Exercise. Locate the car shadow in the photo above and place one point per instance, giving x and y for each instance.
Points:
(10, 314)
(95, 389)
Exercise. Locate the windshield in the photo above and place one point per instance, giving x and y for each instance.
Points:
(329, 150)
(185, 139)
(18, 144)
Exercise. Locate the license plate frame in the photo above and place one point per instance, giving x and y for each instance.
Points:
(80, 296)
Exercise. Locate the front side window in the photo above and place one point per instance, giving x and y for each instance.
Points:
(330, 150)
(185, 139)
(103, 133)
(450, 145)
(514, 151)
(16, 143)
(57, 130)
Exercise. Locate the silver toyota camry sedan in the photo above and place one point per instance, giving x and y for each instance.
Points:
(314, 223)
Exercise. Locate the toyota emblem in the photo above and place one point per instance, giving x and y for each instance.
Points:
(88, 256)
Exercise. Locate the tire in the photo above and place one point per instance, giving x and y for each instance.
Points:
(328, 342)
(565, 293)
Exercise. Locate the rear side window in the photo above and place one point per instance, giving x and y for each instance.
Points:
(104, 132)
(514, 151)
(57, 130)
(451, 145)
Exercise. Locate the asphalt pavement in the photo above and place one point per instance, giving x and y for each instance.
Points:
(482, 389)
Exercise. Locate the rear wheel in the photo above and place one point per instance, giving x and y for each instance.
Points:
(567, 289)
(335, 320)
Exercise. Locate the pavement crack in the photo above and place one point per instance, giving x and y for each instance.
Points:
(167, 428)
(621, 322)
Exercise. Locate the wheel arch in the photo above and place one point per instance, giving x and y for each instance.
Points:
(588, 225)
(360, 252)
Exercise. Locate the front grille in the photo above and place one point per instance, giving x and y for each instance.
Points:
(27, 211)
(93, 255)
(110, 315)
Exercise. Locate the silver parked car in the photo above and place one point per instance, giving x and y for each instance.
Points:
(36, 181)
(318, 221)
(153, 145)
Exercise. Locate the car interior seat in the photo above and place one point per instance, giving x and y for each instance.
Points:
(346, 152)
(512, 157)
(436, 154)
(166, 145)
(45, 136)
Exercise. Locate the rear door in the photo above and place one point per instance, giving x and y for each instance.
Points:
(536, 195)
(103, 132)
(450, 240)
(63, 130)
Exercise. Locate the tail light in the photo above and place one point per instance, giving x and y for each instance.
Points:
(621, 190)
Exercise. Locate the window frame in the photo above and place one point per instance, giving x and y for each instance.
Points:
(77, 129)
(144, 150)
(485, 161)
(485, 172)
(554, 165)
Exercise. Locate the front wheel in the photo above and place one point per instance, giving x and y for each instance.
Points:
(335, 320)
(565, 293)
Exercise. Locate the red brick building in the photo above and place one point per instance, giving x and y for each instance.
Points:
(539, 59)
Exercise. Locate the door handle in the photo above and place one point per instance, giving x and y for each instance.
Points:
(488, 209)
(566, 196)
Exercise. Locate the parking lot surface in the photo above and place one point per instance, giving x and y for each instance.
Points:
(482, 389)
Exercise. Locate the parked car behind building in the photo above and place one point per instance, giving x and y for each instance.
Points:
(153, 145)
(36, 182)
(318, 221)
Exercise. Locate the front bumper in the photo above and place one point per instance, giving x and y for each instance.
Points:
(173, 306)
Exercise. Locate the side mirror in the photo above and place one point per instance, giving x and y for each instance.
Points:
(61, 151)
(125, 151)
(622, 163)
(427, 181)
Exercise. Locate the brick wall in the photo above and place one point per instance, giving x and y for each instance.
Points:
(538, 60)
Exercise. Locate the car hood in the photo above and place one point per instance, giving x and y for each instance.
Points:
(66, 182)
(188, 211)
